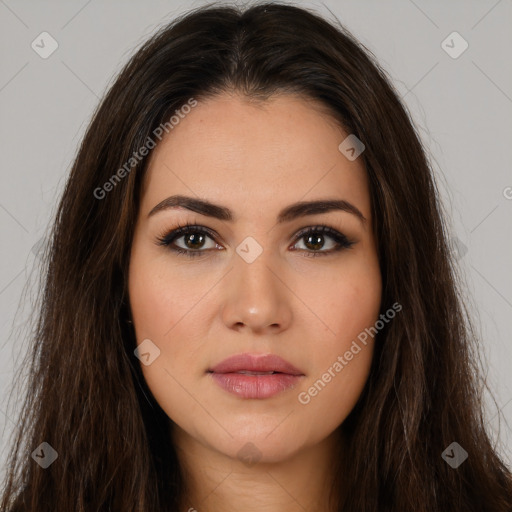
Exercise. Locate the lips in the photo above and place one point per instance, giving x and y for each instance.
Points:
(249, 364)
(255, 376)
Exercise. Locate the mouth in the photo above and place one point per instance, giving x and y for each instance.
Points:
(255, 376)
(258, 364)
(247, 372)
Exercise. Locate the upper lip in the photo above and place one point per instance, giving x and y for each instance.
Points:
(255, 363)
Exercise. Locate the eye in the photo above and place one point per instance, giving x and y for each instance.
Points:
(194, 238)
(314, 239)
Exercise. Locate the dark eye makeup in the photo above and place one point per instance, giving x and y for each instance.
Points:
(315, 235)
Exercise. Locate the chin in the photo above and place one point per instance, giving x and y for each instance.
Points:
(258, 445)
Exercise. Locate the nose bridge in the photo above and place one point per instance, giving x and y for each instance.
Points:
(255, 295)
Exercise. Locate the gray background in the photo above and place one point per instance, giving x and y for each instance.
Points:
(462, 107)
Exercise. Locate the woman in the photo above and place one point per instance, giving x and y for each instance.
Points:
(250, 302)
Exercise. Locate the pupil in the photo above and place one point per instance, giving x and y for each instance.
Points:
(317, 244)
(196, 239)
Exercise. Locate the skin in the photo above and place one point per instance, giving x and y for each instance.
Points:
(254, 159)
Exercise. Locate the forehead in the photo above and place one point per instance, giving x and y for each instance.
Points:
(255, 155)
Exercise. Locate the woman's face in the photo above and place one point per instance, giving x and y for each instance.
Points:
(260, 282)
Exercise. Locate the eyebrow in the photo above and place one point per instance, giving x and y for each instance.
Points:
(291, 212)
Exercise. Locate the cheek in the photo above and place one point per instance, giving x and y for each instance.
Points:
(340, 367)
(157, 304)
(349, 306)
(343, 304)
(163, 312)
(160, 297)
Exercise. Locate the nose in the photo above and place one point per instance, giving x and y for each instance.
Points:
(257, 297)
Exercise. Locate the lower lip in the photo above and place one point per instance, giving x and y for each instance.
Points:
(256, 386)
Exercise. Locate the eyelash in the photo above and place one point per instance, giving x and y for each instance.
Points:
(168, 238)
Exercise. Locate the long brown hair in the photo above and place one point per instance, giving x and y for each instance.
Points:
(86, 396)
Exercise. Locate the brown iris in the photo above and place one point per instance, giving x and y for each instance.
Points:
(314, 245)
(196, 239)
